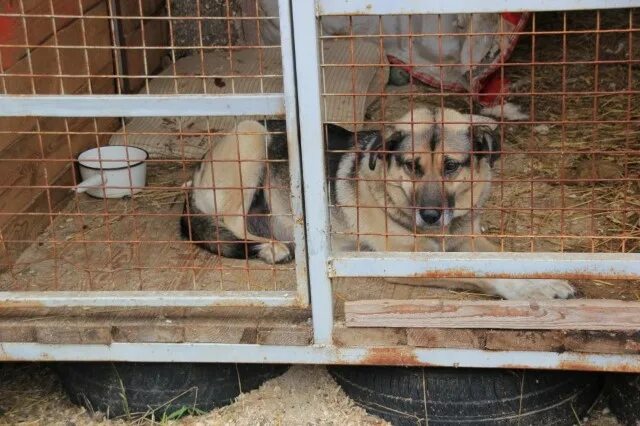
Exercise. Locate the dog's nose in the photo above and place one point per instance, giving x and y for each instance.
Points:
(430, 217)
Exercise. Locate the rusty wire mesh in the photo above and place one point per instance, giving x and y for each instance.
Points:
(54, 239)
(90, 46)
(568, 176)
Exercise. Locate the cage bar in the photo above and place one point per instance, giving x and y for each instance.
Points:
(313, 170)
(140, 105)
(202, 352)
(487, 265)
(146, 299)
(407, 7)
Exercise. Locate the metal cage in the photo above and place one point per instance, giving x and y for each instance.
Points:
(303, 102)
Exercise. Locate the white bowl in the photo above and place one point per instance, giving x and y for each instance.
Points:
(112, 171)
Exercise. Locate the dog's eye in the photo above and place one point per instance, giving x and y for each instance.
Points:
(451, 166)
(413, 167)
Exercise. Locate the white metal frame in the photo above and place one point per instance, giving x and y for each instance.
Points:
(321, 265)
(181, 105)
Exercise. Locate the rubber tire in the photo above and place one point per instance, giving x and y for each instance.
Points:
(470, 396)
(624, 398)
(135, 389)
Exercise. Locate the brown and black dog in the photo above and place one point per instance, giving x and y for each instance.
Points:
(418, 186)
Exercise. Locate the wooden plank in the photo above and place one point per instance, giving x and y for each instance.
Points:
(149, 332)
(17, 331)
(244, 331)
(552, 340)
(446, 338)
(44, 60)
(54, 146)
(345, 336)
(36, 200)
(506, 314)
(602, 342)
(526, 340)
(32, 173)
(156, 34)
(73, 62)
(285, 334)
(38, 29)
(28, 227)
(79, 330)
(131, 8)
(74, 334)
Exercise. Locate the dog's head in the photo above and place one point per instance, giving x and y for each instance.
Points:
(436, 164)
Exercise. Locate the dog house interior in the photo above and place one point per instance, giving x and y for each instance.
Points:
(561, 88)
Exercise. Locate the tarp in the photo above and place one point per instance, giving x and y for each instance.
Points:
(454, 53)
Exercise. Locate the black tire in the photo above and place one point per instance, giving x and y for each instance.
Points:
(624, 398)
(414, 396)
(142, 389)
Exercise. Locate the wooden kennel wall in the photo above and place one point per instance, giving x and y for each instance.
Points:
(83, 74)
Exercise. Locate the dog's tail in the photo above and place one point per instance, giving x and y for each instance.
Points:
(205, 231)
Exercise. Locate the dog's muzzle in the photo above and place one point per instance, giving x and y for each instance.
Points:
(432, 218)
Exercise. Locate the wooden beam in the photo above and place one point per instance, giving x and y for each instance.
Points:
(144, 61)
(64, 329)
(128, 8)
(506, 314)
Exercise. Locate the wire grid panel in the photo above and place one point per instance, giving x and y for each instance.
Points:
(205, 61)
(90, 46)
(512, 132)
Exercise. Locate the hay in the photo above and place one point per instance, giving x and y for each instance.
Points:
(590, 162)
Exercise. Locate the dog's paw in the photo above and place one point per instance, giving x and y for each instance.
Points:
(533, 289)
(275, 252)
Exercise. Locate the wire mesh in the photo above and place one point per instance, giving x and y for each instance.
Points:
(151, 46)
(560, 90)
(52, 238)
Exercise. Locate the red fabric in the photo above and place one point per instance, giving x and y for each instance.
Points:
(7, 23)
(492, 89)
(512, 18)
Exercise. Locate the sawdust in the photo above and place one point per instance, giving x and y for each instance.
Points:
(30, 394)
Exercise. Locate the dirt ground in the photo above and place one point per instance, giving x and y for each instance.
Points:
(30, 394)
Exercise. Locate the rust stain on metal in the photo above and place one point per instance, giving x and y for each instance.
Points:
(582, 364)
(467, 273)
(391, 356)
(22, 304)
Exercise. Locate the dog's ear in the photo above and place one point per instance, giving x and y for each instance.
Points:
(378, 147)
(486, 142)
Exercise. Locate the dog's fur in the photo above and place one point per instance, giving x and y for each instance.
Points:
(419, 186)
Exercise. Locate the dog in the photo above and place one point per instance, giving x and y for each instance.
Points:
(419, 185)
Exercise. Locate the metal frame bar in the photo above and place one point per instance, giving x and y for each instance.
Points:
(293, 143)
(181, 105)
(321, 266)
(480, 265)
(305, 29)
(316, 354)
(147, 299)
(140, 105)
(405, 7)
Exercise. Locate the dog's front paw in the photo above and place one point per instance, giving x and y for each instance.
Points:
(533, 289)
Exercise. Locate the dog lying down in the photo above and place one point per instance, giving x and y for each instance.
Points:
(415, 181)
